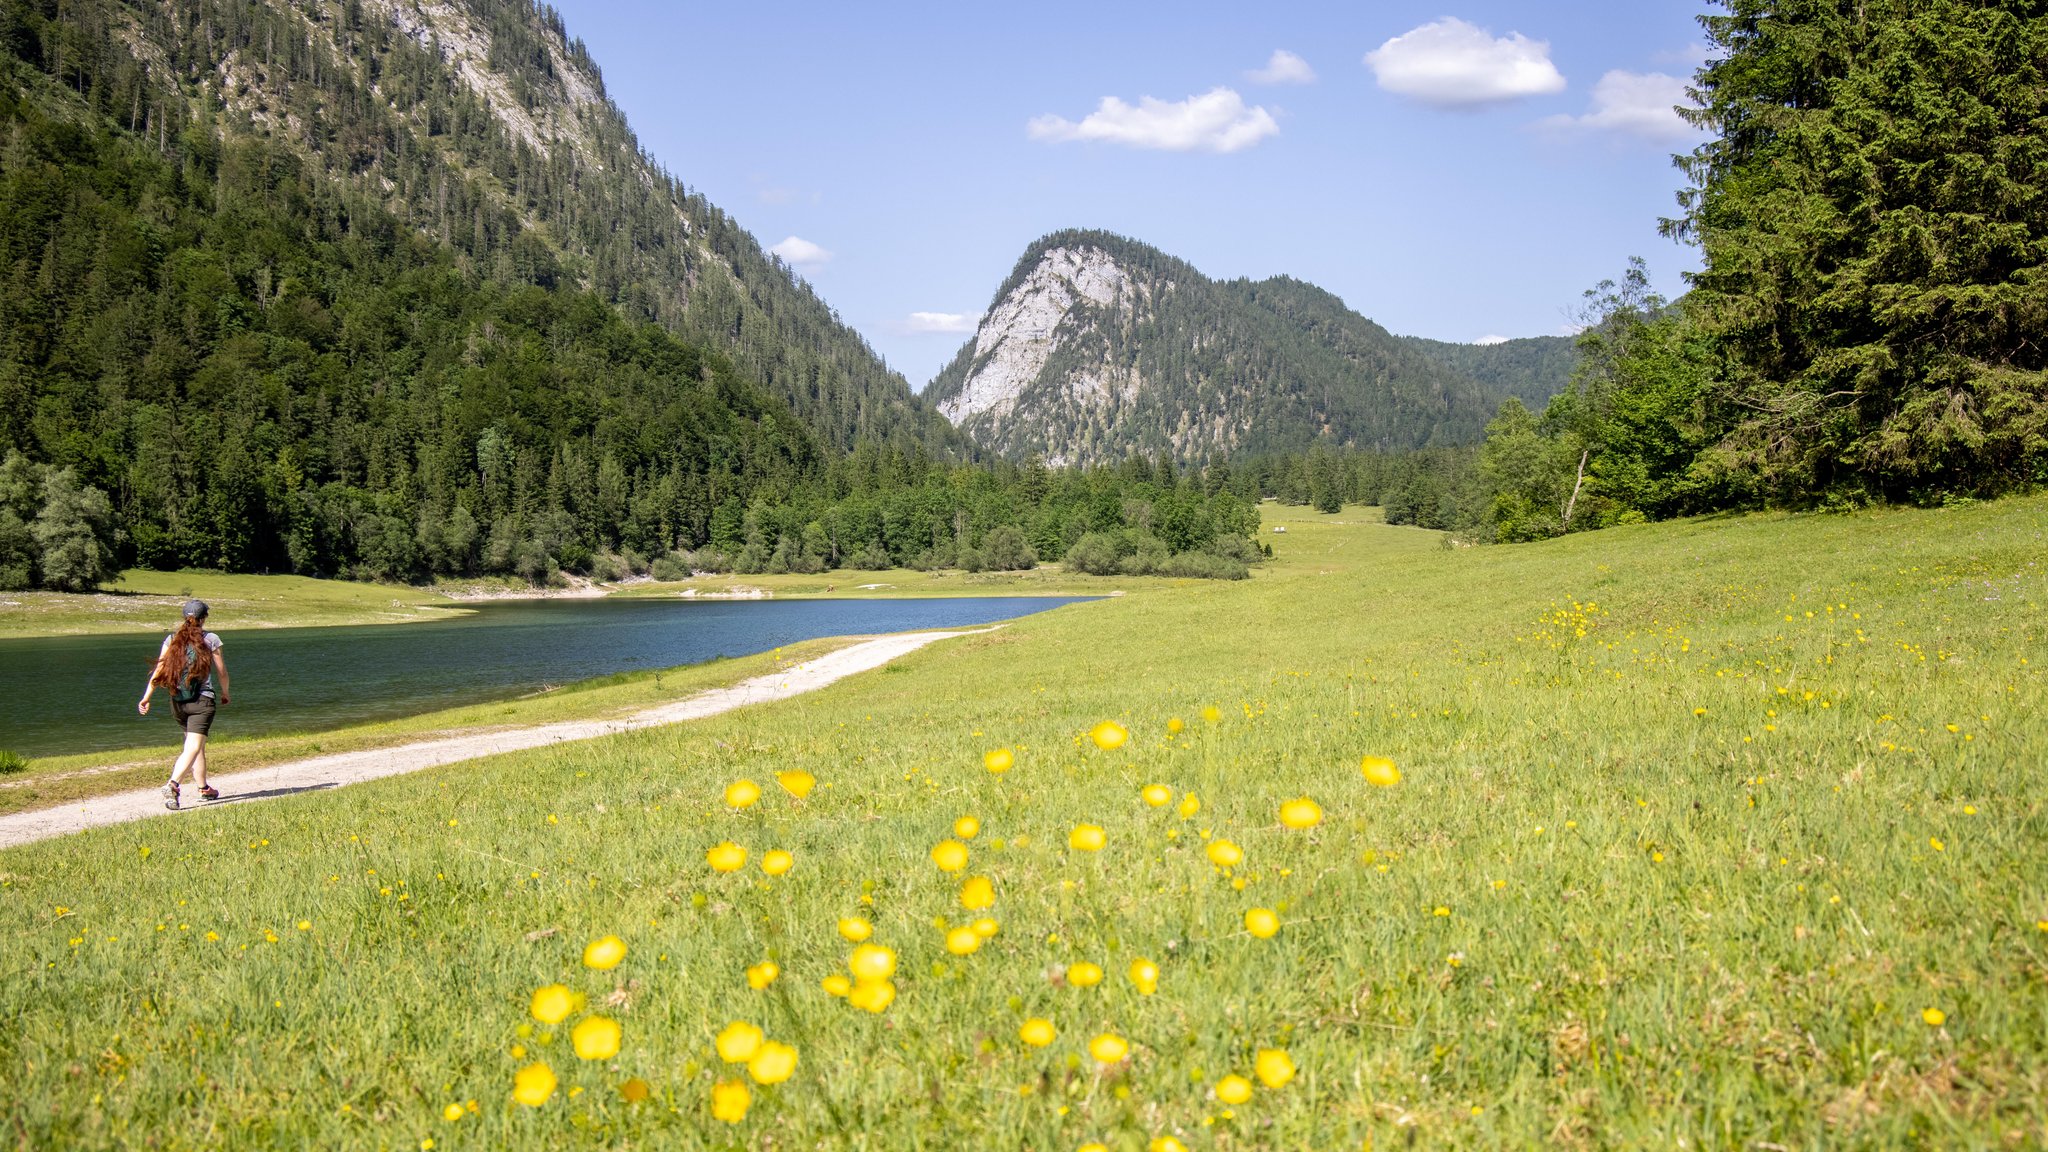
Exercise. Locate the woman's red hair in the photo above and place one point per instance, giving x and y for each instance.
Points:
(186, 659)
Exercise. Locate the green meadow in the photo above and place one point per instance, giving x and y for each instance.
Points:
(1722, 833)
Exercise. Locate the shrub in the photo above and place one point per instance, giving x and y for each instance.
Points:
(12, 762)
(1004, 549)
(1095, 553)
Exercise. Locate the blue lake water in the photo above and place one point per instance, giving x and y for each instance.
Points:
(66, 694)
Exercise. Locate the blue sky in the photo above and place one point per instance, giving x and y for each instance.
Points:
(1469, 179)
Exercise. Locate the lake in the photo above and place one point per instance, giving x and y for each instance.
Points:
(67, 694)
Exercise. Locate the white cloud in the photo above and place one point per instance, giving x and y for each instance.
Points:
(1484, 341)
(1216, 121)
(799, 251)
(1641, 104)
(1453, 64)
(941, 322)
(1284, 68)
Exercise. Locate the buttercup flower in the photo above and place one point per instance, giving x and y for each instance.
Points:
(1224, 854)
(1273, 1067)
(872, 962)
(986, 927)
(776, 861)
(976, 893)
(855, 929)
(1165, 1144)
(1261, 922)
(634, 1091)
(604, 953)
(596, 1038)
(836, 984)
(772, 1064)
(1176, 725)
(1084, 974)
(949, 855)
(552, 1004)
(963, 941)
(738, 1042)
(796, 782)
(998, 761)
(1212, 714)
(742, 794)
(1037, 1032)
(1157, 795)
(1109, 735)
(1145, 974)
(967, 827)
(533, 1084)
(729, 1101)
(1380, 771)
(1189, 805)
(1233, 1089)
(1087, 838)
(726, 857)
(1302, 813)
(761, 975)
(1934, 1017)
(872, 995)
(1108, 1048)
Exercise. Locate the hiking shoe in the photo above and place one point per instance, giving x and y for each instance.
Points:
(208, 792)
(171, 795)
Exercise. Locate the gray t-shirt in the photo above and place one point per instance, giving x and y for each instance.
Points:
(212, 645)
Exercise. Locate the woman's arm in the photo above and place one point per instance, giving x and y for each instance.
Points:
(220, 665)
(149, 689)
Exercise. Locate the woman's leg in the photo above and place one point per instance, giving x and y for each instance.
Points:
(195, 746)
(199, 765)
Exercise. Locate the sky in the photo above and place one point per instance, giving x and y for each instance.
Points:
(1458, 169)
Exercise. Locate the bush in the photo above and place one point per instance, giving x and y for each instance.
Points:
(670, 567)
(970, 559)
(1234, 547)
(12, 762)
(1147, 558)
(1004, 549)
(871, 557)
(1095, 554)
(1204, 566)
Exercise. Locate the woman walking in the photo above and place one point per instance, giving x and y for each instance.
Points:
(186, 666)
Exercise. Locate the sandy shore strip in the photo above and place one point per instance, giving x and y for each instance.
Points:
(324, 772)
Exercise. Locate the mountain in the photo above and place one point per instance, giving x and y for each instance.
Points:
(484, 126)
(1098, 346)
(1532, 368)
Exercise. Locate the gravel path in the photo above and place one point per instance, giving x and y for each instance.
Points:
(323, 772)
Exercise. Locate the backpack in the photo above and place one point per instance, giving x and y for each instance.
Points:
(191, 689)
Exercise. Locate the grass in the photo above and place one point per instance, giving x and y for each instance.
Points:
(1697, 820)
(143, 600)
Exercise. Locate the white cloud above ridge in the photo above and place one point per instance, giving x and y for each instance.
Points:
(1454, 64)
(923, 323)
(1216, 121)
(1489, 341)
(800, 252)
(1283, 67)
(1639, 104)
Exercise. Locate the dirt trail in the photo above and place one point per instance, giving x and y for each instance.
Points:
(322, 772)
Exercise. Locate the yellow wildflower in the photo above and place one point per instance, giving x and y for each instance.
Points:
(1302, 813)
(533, 1084)
(738, 1042)
(855, 929)
(742, 794)
(976, 893)
(949, 855)
(1109, 735)
(1037, 1032)
(772, 1064)
(998, 761)
(776, 861)
(761, 975)
(1144, 974)
(552, 1004)
(1176, 725)
(729, 1100)
(1935, 1017)
(872, 962)
(1224, 854)
(1087, 838)
(604, 953)
(1109, 1048)
(1261, 922)
(1380, 771)
(967, 828)
(1233, 1089)
(963, 941)
(726, 857)
(1273, 1067)
(796, 782)
(1084, 974)
(872, 995)
(596, 1038)
(1157, 795)
(836, 984)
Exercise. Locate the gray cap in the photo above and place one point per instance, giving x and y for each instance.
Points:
(196, 609)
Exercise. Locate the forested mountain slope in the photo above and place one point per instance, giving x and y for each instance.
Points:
(1532, 369)
(482, 125)
(1098, 346)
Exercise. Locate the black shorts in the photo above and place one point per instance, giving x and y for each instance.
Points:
(194, 718)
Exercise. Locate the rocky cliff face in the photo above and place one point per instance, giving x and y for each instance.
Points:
(1097, 347)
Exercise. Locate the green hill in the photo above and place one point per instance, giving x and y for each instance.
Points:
(1531, 369)
(1097, 347)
